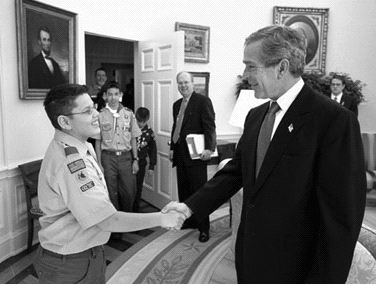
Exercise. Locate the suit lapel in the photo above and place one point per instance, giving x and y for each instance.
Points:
(291, 123)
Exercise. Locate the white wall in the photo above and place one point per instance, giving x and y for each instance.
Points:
(25, 130)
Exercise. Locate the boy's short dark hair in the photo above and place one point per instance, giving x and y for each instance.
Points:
(112, 84)
(60, 100)
(142, 114)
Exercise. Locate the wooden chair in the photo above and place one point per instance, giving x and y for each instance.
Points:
(30, 172)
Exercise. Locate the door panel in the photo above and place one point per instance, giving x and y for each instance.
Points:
(159, 61)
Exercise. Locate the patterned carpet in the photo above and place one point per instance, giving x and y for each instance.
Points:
(174, 257)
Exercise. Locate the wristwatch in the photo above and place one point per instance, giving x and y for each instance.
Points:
(136, 158)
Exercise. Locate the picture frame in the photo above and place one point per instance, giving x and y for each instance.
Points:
(313, 23)
(196, 42)
(57, 27)
(201, 82)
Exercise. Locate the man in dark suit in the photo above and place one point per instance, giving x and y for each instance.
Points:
(44, 72)
(303, 208)
(337, 87)
(193, 114)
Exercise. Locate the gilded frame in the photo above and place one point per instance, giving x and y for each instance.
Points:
(313, 22)
(196, 42)
(201, 82)
(30, 16)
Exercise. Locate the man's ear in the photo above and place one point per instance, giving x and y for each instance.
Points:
(283, 67)
(64, 122)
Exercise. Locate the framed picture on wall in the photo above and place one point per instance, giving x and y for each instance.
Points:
(196, 42)
(201, 82)
(313, 23)
(46, 48)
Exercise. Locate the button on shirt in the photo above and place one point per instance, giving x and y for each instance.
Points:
(117, 129)
(73, 195)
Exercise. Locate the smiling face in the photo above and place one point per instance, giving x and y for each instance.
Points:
(101, 77)
(83, 121)
(113, 96)
(263, 80)
(185, 84)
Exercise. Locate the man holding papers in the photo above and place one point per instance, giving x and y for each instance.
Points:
(193, 114)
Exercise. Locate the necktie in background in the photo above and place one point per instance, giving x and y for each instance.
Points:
(265, 132)
(336, 99)
(179, 121)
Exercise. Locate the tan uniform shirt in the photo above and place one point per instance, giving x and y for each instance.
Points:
(118, 129)
(73, 195)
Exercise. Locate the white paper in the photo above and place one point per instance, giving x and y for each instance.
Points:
(195, 143)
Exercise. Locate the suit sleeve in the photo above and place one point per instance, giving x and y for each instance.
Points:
(340, 194)
(226, 182)
(208, 124)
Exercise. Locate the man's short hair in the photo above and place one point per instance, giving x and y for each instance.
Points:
(340, 77)
(60, 100)
(112, 84)
(181, 72)
(100, 69)
(142, 114)
(45, 29)
(281, 42)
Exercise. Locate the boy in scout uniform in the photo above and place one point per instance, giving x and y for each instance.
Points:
(78, 215)
(117, 149)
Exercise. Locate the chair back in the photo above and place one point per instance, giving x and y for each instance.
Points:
(30, 173)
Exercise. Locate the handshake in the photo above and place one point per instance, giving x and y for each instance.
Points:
(174, 214)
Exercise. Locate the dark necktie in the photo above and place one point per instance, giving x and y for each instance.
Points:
(265, 135)
(181, 114)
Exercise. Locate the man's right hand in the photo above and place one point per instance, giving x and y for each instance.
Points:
(179, 207)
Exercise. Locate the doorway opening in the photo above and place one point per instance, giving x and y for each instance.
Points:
(117, 58)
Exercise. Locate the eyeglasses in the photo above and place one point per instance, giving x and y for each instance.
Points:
(88, 111)
(336, 84)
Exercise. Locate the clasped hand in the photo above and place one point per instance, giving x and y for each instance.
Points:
(178, 213)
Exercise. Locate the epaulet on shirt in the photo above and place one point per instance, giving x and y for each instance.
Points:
(127, 109)
(70, 150)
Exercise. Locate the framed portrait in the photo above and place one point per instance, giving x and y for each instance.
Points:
(201, 82)
(196, 42)
(313, 23)
(46, 48)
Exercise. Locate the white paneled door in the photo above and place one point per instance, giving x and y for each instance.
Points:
(158, 62)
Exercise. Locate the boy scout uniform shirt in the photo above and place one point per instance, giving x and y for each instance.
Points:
(118, 129)
(73, 195)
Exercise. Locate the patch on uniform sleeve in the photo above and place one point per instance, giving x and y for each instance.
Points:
(82, 176)
(70, 150)
(76, 165)
(87, 186)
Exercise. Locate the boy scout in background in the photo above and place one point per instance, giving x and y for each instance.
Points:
(73, 195)
(117, 149)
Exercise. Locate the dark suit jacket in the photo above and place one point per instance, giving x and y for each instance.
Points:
(301, 218)
(40, 75)
(199, 118)
(349, 102)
